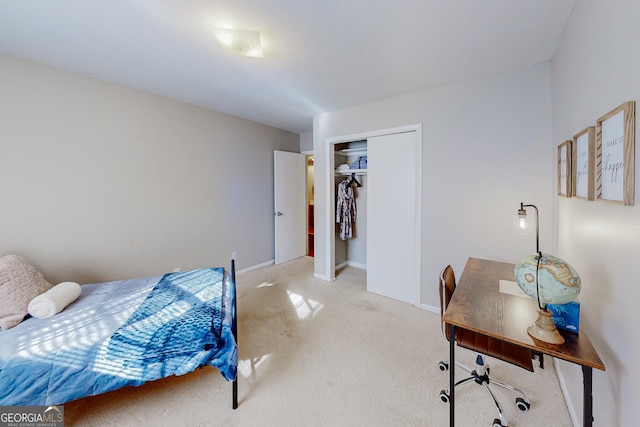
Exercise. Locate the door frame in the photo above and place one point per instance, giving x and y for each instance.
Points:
(330, 209)
(308, 153)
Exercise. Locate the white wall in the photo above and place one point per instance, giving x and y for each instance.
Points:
(101, 182)
(595, 69)
(485, 149)
(306, 142)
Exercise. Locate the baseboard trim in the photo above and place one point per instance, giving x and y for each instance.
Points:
(354, 264)
(359, 265)
(255, 267)
(323, 277)
(565, 393)
(430, 308)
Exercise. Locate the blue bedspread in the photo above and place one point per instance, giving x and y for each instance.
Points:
(121, 333)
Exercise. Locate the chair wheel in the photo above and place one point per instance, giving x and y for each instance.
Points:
(444, 396)
(497, 423)
(522, 404)
(444, 366)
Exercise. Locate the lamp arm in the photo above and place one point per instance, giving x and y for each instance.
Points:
(539, 257)
(522, 206)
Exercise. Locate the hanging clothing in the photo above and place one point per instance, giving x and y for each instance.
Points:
(346, 209)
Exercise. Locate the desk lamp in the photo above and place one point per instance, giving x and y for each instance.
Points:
(549, 280)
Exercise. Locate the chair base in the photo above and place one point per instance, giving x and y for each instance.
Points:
(481, 377)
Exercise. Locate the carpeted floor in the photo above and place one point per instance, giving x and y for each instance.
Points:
(314, 353)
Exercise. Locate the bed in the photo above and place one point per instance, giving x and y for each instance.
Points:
(123, 333)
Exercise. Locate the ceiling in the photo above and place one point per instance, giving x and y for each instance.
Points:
(319, 55)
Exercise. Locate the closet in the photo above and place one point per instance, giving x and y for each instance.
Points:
(386, 237)
(351, 170)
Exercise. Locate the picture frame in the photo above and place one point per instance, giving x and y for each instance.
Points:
(583, 163)
(615, 155)
(564, 169)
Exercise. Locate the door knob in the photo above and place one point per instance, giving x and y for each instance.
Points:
(279, 213)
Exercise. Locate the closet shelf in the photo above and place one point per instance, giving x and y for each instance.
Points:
(353, 151)
(350, 171)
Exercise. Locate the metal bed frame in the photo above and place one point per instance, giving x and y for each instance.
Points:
(234, 328)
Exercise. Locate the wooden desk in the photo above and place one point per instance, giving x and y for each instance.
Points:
(478, 305)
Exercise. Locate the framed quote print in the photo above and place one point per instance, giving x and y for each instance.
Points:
(582, 165)
(615, 155)
(564, 169)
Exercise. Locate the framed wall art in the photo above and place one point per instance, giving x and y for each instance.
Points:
(582, 164)
(615, 155)
(564, 169)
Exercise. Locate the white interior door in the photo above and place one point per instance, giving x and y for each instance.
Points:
(393, 212)
(290, 175)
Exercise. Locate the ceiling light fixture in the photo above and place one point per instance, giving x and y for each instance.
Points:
(240, 42)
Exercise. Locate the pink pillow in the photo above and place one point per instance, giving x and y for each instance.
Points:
(20, 282)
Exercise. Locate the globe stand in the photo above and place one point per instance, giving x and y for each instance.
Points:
(544, 329)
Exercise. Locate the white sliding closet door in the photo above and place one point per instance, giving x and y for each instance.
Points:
(393, 268)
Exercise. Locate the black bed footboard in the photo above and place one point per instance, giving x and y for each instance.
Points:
(234, 328)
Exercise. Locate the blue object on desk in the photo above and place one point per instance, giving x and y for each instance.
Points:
(566, 316)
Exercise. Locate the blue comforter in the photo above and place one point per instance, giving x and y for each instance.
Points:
(121, 333)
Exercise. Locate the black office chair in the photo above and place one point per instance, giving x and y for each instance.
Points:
(483, 345)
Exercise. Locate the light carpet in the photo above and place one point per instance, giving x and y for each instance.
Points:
(315, 353)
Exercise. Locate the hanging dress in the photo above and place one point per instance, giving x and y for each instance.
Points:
(346, 209)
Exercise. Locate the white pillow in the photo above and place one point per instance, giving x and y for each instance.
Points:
(54, 300)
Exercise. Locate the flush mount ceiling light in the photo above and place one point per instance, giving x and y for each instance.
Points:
(240, 42)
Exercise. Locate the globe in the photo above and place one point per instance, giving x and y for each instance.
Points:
(556, 280)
